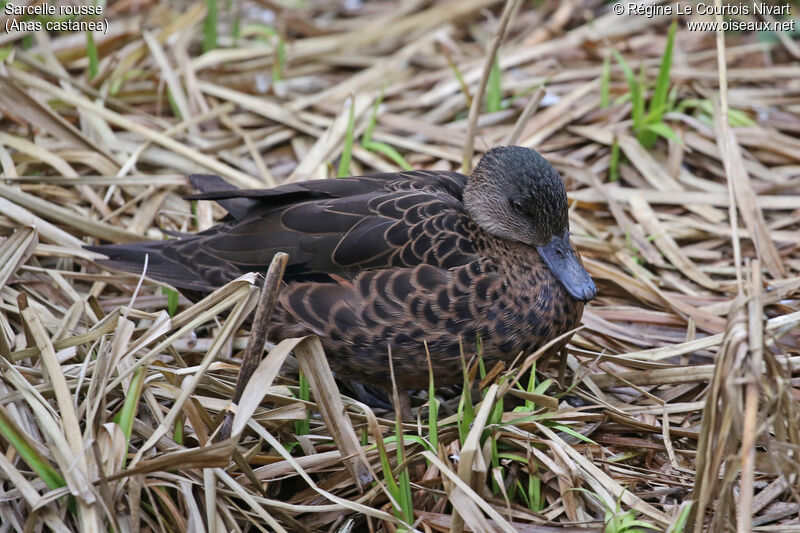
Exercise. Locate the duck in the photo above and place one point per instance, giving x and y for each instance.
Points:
(422, 263)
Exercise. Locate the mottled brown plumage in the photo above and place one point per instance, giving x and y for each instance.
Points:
(392, 260)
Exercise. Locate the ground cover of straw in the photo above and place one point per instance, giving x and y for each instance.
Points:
(676, 404)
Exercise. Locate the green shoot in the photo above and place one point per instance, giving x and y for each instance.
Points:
(457, 73)
(374, 146)
(481, 365)
(116, 85)
(177, 433)
(407, 439)
(347, 151)
(535, 502)
(128, 413)
(92, 55)
(389, 152)
(176, 112)
(172, 300)
(532, 494)
(373, 120)
(535, 488)
(619, 522)
(532, 388)
(495, 418)
(494, 92)
(661, 92)
(663, 130)
(210, 26)
(466, 411)
(401, 493)
(679, 525)
(403, 478)
(613, 162)
(616, 521)
(269, 36)
(705, 110)
(569, 431)
(280, 60)
(125, 417)
(649, 125)
(433, 408)
(17, 438)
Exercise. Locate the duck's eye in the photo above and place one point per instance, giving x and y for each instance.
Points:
(516, 205)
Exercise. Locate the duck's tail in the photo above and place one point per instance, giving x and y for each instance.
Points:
(130, 257)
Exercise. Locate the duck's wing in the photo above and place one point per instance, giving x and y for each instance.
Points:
(328, 227)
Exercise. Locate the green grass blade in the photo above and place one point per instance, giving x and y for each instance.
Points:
(661, 91)
(176, 112)
(408, 439)
(347, 150)
(457, 73)
(373, 119)
(635, 89)
(177, 433)
(613, 162)
(494, 91)
(383, 148)
(679, 525)
(210, 26)
(92, 55)
(389, 152)
(386, 467)
(738, 118)
(496, 417)
(535, 489)
(403, 479)
(280, 60)
(466, 411)
(663, 130)
(16, 437)
(658, 103)
(433, 411)
(406, 505)
(569, 431)
(481, 365)
(522, 492)
(172, 300)
(128, 413)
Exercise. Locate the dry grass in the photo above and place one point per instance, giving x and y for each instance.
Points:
(682, 384)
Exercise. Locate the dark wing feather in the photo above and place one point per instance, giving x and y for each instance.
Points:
(160, 265)
(328, 227)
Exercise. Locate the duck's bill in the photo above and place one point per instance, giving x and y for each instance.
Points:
(567, 268)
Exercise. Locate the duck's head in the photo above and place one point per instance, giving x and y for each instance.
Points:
(515, 194)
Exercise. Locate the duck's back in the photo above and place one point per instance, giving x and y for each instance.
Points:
(330, 229)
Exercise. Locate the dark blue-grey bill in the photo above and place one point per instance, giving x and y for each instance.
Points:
(566, 267)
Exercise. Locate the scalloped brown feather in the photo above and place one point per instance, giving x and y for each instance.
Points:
(389, 260)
